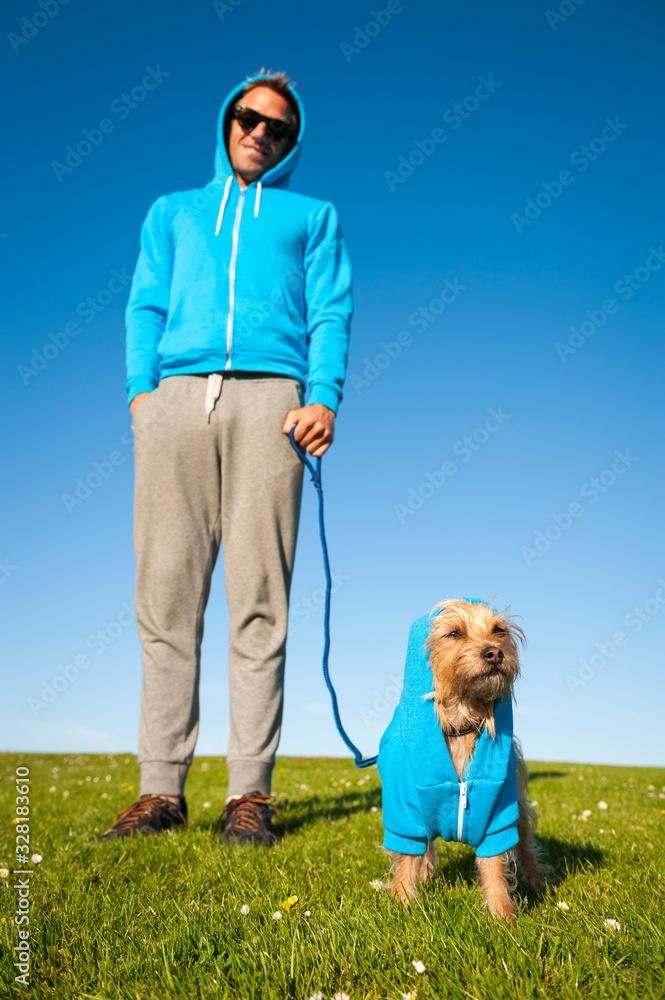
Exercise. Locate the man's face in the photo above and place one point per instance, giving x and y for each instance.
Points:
(252, 153)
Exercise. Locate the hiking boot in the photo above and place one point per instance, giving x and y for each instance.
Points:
(150, 815)
(248, 820)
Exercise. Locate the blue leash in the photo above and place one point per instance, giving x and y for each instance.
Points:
(315, 473)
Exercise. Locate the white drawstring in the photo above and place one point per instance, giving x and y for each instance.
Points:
(213, 390)
(257, 200)
(223, 205)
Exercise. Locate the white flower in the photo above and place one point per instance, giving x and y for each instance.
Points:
(317, 996)
(534, 804)
(308, 913)
(374, 809)
(612, 923)
(563, 906)
(277, 915)
(52, 788)
(602, 805)
(376, 884)
(206, 805)
(36, 859)
(244, 909)
(4, 872)
(418, 966)
(341, 996)
(586, 814)
(410, 996)
(65, 793)
(650, 788)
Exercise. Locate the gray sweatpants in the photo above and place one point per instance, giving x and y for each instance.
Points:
(229, 475)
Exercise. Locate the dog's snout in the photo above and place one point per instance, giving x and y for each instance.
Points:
(493, 655)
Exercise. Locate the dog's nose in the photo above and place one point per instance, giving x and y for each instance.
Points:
(493, 655)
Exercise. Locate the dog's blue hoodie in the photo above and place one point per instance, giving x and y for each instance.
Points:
(422, 797)
(255, 281)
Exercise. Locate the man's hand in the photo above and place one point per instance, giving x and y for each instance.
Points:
(135, 402)
(315, 427)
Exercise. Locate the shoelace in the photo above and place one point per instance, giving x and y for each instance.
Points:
(144, 808)
(247, 813)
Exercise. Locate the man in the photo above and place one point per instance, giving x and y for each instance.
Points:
(241, 297)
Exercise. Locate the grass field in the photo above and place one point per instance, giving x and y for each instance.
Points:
(161, 918)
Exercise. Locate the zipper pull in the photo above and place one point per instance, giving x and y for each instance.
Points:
(462, 794)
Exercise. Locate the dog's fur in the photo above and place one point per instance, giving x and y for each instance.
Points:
(474, 657)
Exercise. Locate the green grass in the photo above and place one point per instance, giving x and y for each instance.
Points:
(160, 918)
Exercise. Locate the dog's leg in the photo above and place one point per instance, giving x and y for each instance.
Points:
(408, 870)
(529, 856)
(493, 874)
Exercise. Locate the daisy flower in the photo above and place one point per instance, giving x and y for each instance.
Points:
(410, 996)
(563, 906)
(317, 996)
(277, 915)
(4, 872)
(376, 884)
(244, 909)
(36, 859)
(418, 966)
(341, 996)
(612, 923)
(374, 809)
(602, 805)
(308, 913)
(206, 805)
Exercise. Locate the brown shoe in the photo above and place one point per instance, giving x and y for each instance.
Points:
(150, 815)
(248, 820)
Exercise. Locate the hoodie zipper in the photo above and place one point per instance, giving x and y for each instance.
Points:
(462, 807)
(232, 279)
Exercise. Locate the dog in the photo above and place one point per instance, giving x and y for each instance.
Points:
(449, 763)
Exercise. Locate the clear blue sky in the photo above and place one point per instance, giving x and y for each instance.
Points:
(535, 208)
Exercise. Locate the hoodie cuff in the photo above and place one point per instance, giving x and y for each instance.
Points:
(497, 843)
(404, 845)
(137, 385)
(325, 395)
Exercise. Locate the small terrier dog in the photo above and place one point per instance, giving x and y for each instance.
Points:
(470, 651)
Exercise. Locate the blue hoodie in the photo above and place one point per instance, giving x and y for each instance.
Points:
(422, 797)
(253, 281)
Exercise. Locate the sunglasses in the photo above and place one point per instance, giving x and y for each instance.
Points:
(248, 119)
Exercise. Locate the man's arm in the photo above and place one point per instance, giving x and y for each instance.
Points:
(147, 308)
(328, 297)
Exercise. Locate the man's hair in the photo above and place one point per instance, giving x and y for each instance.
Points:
(279, 82)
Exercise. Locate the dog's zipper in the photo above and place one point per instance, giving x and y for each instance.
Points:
(462, 807)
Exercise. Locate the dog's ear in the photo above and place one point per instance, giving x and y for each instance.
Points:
(513, 629)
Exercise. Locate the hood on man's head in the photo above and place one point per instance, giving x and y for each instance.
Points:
(277, 176)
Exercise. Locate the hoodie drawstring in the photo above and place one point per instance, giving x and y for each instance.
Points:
(227, 188)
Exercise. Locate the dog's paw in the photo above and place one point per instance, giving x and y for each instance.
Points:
(503, 909)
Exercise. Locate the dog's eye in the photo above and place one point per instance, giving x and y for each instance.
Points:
(498, 630)
(455, 634)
